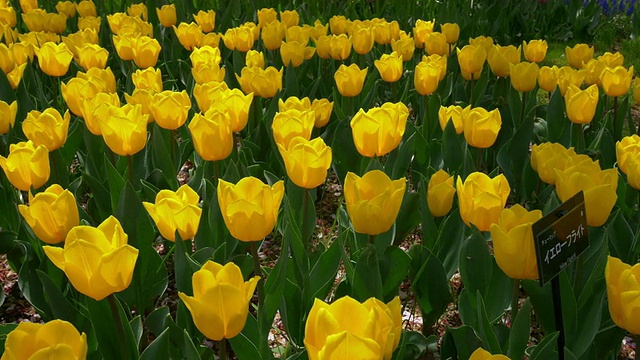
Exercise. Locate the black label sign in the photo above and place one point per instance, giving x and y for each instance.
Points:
(560, 237)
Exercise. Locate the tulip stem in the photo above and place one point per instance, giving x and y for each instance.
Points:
(615, 117)
(305, 208)
(222, 354)
(524, 103)
(253, 248)
(515, 300)
(115, 312)
(372, 239)
(216, 173)
(130, 167)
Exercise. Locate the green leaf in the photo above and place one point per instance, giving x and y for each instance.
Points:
(136, 328)
(367, 281)
(161, 155)
(460, 343)
(453, 149)
(556, 121)
(485, 329)
(519, 336)
(547, 349)
(61, 308)
(116, 183)
(475, 263)
(106, 327)
(323, 273)
(408, 216)
(245, 344)
(158, 349)
(394, 265)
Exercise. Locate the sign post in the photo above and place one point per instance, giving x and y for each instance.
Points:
(560, 237)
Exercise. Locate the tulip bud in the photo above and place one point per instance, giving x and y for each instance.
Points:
(622, 286)
(482, 199)
(362, 40)
(220, 304)
(405, 46)
(56, 339)
(485, 41)
(501, 57)
(535, 51)
(47, 128)
(170, 109)
(306, 161)
(272, 35)
(338, 24)
(96, 109)
(379, 130)
(76, 90)
(250, 207)
(471, 59)
(426, 77)
(322, 109)
(262, 82)
(350, 80)
(548, 78)
(207, 94)
(97, 261)
(291, 123)
(7, 116)
(451, 31)
(581, 104)
(455, 114)
(524, 76)
(90, 22)
(91, 55)
(145, 52)
(289, 18)
(239, 38)
(206, 20)
(579, 55)
(167, 15)
(481, 127)
(616, 81)
(373, 201)
(568, 76)
(124, 46)
(8, 16)
(436, 43)
(513, 243)
(255, 58)
(211, 134)
(190, 35)
(54, 59)
(627, 148)
(266, 16)
(420, 32)
(295, 53)
(147, 79)
(389, 67)
(51, 214)
(440, 192)
(138, 10)
(331, 335)
(27, 166)
(86, 8)
(124, 129)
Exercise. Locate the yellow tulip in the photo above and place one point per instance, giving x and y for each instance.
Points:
(373, 201)
(348, 329)
(339, 46)
(389, 67)
(170, 109)
(485, 41)
(295, 53)
(455, 114)
(599, 187)
(318, 29)
(289, 18)
(7, 116)
(420, 32)
(384, 32)
(482, 199)
(513, 243)
(56, 339)
(36, 20)
(138, 10)
(272, 35)
(440, 192)
(592, 70)
(8, 16)
(220, 302)
(322, 109)
(306, 161)
(208, 73)
(482, 354)
(97, 261)
(481, 127)
(291, 123)
(548, 78)
(439, 61)
(524, 76)
(436, 43)
(636, 91)
(86, 8)
(451, 31)
(616, 81)
(379, 130)
(26, 166)
(426, 77)
(293, 102)
(90, 22)
(623, 285)
(471, 59)
(239, 38)
(206, 20)
(103, 78)
(546, 158)
(167, 15)
(535, 50)
(22, 52)
(47, 128)
(266, 16)
(207, 94)
(54, 59)
(190, 35)
(177, 210)
(501, 57)
(362, 40)
(581, 104)
(255, 58)
(612, 59)
(250, 207)
(73, 41)
(578, 55)
(404, 46)
(124, 129)
(145, 52)
(124, 46)
(568, 76)
(350, 79)
(632, 167)
(96, 109)
(205, 55)
(262, 82)
(298, 34)
(338, 24)
(236, 105)
(627, 148)
(148, 79)
(211, 134)
(76, 90)
(91, 55)
(51, 214)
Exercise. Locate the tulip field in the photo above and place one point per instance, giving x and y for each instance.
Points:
(364, 179)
